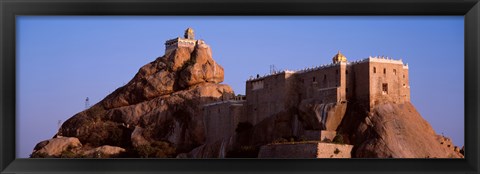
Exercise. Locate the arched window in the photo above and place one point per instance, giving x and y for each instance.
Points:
(374, 70)
(394, 72)
(384, 70)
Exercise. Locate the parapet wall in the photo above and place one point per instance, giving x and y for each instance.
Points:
(179, 42)
(221, 119)
(306, 150)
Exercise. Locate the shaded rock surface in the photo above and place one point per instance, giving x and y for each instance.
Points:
(104, 151)
(217, 149)
(396, 131)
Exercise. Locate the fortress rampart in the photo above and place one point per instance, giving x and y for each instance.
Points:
(368, 81)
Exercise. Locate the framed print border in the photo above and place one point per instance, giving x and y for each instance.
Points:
(9, 9)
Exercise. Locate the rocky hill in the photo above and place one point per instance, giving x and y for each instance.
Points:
(157, 114)
(395, 131)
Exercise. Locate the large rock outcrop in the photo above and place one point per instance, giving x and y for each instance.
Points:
(395, 131)
(158, 113)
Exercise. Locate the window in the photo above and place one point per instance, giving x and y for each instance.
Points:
(404, 76)
(385, 88)
(346, 71)
(336, 71)
(324, 79)
(384, 70)
(313, 79)
(394, 72)
(374, 70)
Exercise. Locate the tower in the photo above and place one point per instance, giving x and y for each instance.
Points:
(87, 103)
(339, 57)
(189, 34)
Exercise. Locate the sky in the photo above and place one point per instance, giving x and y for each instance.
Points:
(61, 60)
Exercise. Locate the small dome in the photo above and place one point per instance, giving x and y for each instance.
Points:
(339, 57)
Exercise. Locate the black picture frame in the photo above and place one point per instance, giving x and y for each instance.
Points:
(9, 9)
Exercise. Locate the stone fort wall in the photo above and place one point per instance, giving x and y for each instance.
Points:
(221, 119)
(387, 80)
(305, 150)
(369, 81)
(268, 96)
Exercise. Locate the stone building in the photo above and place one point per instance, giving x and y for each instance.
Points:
(367, 82)
(187, 41)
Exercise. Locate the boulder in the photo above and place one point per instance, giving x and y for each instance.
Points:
(398, 131)
(103, 152)
(54, 147)
(201, 68)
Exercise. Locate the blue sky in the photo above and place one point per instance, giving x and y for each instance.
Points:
(62, 60)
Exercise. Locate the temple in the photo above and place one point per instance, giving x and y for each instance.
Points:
(187, 41)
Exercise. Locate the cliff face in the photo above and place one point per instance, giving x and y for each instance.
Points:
(157, 114)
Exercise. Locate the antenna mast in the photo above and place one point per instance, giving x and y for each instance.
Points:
(87, 103)
(273, 70)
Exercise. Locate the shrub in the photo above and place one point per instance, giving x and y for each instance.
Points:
(67, 154)
(338, 139)
(291, 139)
(96, 112)
(336, 151)
(279, 140)
(108, 132)
(70, 154)
(326, 140)
(157, 149)
(39, 155)
(243, 152)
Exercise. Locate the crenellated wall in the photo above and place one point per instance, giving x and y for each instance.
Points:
(179, 42)
(366, 82)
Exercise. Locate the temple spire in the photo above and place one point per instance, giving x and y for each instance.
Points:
(339, 57)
